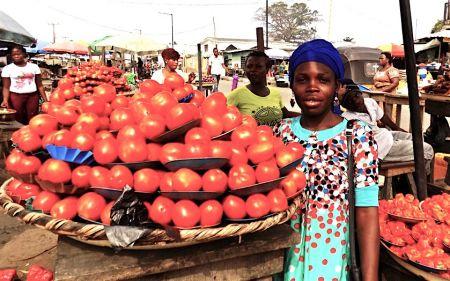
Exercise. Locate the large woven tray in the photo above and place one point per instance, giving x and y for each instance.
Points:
(94, 234)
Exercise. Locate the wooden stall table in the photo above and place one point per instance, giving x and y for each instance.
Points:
(206, 87)
(6, 130)
(257, 256)
(438, 106)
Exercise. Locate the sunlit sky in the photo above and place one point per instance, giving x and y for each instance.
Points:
(370, 23)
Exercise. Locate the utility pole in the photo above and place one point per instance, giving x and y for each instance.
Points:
(171, 19)
(214, 25)
(140, 31)
(53, 30)
(329, 18)
(267, 23)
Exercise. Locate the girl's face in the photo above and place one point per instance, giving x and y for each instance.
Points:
(172, 64)
(314, 87)
(17, 56)
(383, 60)
(256, 69)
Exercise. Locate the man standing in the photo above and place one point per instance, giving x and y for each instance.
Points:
(216, 67)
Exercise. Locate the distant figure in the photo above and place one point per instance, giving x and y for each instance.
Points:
(171, 57)
(216, 67)
(386, 78)
(21, 84)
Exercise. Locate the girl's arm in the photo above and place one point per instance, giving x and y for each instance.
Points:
(368, 240)
(6, 81)
(40, 87)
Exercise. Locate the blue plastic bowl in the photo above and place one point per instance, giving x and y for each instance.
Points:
(72, 155)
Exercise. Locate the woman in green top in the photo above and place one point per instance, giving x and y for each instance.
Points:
(256, 99)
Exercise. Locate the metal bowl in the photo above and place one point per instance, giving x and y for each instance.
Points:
(284, 171)
(197, 164)
(406, 219)
(7, 114)
(177, 133)
(191, 195)
(247, 220)
(134, 166)
(257, 188)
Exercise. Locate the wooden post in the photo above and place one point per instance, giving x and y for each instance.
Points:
(413, 95)
(260, 38)
(199, 56)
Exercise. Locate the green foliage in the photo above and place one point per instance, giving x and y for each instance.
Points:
(437, 26)
(295, 23)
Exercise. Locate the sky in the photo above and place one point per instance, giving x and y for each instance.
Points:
(370, 23)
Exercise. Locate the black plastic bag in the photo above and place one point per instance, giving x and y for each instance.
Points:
(128, 209)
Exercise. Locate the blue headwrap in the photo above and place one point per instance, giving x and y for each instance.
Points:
(317, 50)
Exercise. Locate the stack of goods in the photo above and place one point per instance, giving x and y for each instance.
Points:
(441, 87)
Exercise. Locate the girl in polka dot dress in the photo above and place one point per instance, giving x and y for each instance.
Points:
(323, 252)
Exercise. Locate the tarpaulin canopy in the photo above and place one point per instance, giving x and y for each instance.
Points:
(68, 47)
(12, 32)
(395, 50)
(39, 48)
(431, 44)
(277, 54)
(132, 42)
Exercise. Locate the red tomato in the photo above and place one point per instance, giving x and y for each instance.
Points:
(83, 141)
(90, 118)
(297, 147)
(29, 141)
(121, 117)
(26, 190)
(140, 110)
(105, 91)
(220, 149)
(153, 151)
(91, 205)
(248, 120)
(80, 176)
(257, 205)
(299, 179)
(29, 165)
(286, 156)
(264, 129)
(73, 103)
(186, 180)
(129, 131)
(53, 109)
(243, 135)
(232, 118)
(234, 207)
(119, 177)
(13, 160)
(196, 149)
(267, 171)
(238, 155)
(277, 200)
(186, 214)
(44, 201)
(68, 93)
(48, 139)
(99, 177)
(289, 186)
(180, 93)
(263, 136)
(13, 187)
(149, 86)
(171, 151)
(197, 134)
(133, 150)
(277, 144)
(105, 217)
(162, 102)
(120, 101)
(180, 114)
(215, 104)
(56, 171)
(104, 123)
(146, 180)
(215, 180)
(67, 115)
(213, 124)
(57, 97)
(63, 138)
(104, 134)
(211, 212)
(173, 80)
(260, 152)
(45, 107)
(188, 88)
(83, 127)
(241, 175)
(93, 104)
(65, 209)
(152, 126)
(166, 183)
(161, 210)
(106, 150)
(65, 83)
(198, 98)
(43, 124)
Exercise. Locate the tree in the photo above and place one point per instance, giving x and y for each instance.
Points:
(438, 26)
(293, 23)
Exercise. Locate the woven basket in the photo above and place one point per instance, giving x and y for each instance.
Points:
(94, 234)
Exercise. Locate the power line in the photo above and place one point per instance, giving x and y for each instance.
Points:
(189, 4)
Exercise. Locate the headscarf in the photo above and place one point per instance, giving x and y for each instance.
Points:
(317, 50)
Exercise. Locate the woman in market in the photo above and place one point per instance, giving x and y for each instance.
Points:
(171, 57)
(21, 84)
(257, 99)
(323, 254)
(386, 78)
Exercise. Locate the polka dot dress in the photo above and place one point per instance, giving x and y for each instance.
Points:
(323, 252)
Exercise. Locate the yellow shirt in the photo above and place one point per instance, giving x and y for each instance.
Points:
(266, 110)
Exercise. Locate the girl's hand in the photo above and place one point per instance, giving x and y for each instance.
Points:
(191, 77)
(4, 104)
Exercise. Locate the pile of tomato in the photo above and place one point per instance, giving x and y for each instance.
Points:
(124, 134)
(417, 231)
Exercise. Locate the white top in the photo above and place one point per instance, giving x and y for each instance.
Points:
(22, 77)
(158, 75)
(216, 65)
(383, 136)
